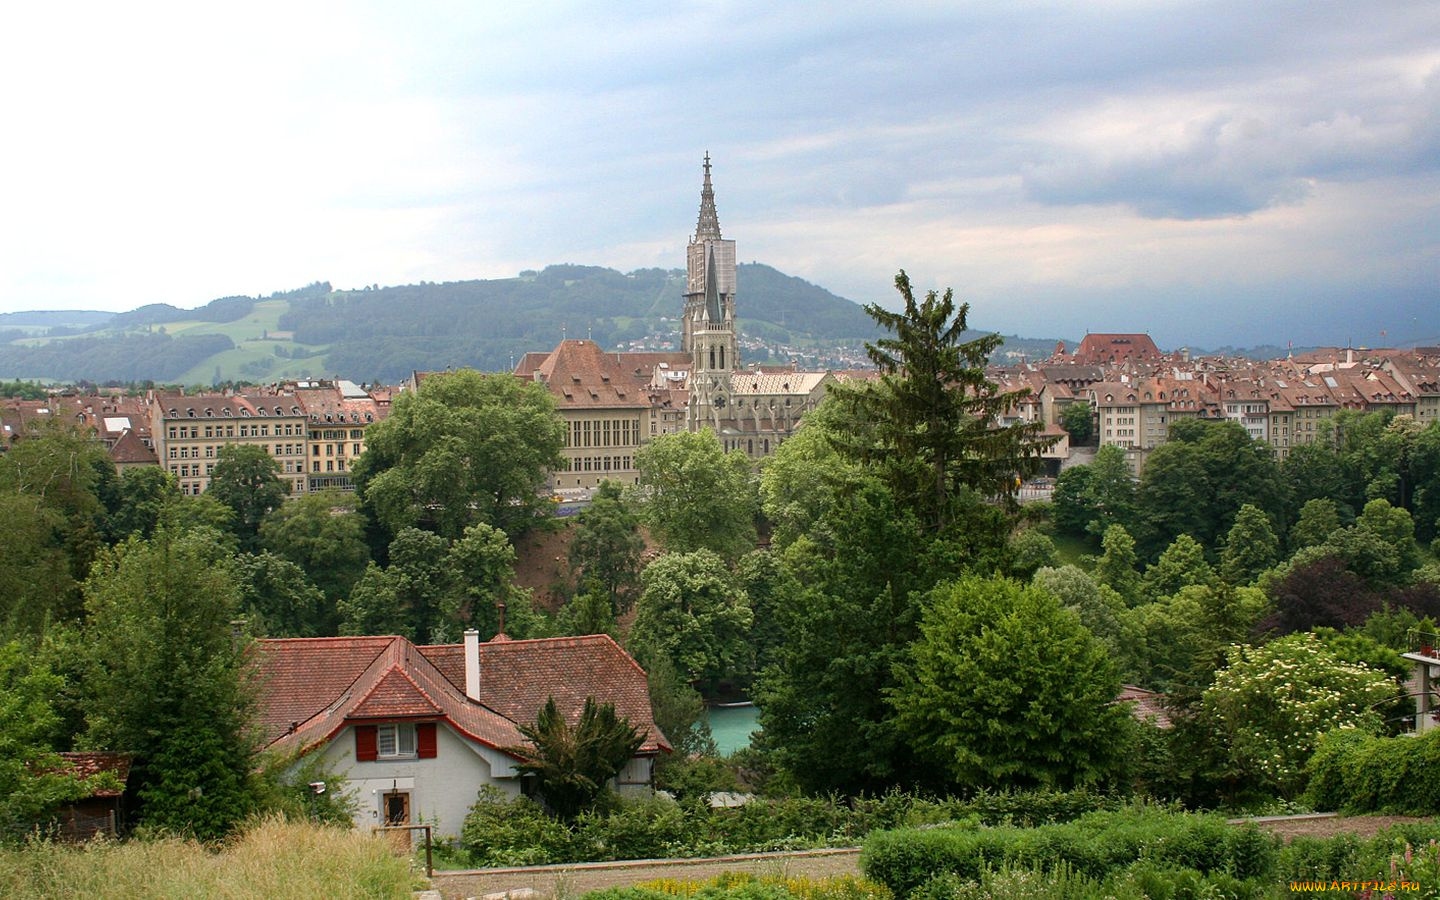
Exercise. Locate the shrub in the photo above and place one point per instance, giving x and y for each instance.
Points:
(504, 831)
(1360, 773)
(1095, 846)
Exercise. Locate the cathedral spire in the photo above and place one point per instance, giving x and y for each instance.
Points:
(708, 228)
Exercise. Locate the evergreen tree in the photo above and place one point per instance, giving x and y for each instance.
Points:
(928, 423)
(589, 612)
(573, 763)
(1250, 548)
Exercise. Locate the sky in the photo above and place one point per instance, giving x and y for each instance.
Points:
(1210, 173)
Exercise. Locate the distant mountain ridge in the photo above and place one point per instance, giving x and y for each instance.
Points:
(382, 334)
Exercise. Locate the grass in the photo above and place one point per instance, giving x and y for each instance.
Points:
(273, 859)
(1071, 549)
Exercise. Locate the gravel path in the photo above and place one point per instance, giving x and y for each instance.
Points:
(572, 881)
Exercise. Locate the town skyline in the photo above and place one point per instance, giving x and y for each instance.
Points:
(1201, 172)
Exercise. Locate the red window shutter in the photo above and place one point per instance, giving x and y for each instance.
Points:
(425, 740)
(365, 750)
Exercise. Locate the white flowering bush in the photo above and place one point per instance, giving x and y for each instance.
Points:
(1271, 704)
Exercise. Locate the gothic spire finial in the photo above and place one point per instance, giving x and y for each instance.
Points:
(708, 228)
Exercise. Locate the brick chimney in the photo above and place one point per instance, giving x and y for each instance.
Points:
(472, 664)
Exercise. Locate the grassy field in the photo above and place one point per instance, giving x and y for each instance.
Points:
(254, 356)
(273, 860)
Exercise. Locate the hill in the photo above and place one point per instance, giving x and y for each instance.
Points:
(382, 334)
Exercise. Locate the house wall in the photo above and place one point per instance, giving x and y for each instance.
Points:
(442, 789)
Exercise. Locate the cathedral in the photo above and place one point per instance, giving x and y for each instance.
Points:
(613, 402)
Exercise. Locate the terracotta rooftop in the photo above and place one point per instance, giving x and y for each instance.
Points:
(312, 687)
(130, 449)
(89, 764)
(1149, 705)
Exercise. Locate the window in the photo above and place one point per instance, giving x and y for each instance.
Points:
(395, 741)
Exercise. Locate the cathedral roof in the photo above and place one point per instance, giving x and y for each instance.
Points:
(708, 228)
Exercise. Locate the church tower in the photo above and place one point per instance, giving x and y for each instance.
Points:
(708, 325)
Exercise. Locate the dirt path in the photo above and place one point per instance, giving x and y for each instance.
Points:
(1290, 827)
(572, 881)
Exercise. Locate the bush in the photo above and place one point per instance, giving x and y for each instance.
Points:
(1094, 845)
(1354, 772)
(504, 831)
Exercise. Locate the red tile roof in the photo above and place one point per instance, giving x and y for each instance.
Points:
(1149, 705)
(89, 764)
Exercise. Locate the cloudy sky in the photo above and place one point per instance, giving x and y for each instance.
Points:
(1224, 172)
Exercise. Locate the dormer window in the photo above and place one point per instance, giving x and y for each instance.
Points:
(209, 413)
(395, 741)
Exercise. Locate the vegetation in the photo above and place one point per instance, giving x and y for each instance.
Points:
(271, 858)
(464, 448)
(573, 763)
(738, 885)
(697, 496)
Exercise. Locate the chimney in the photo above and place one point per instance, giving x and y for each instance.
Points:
(472, 664)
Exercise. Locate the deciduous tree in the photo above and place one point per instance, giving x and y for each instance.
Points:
(693, 612)
(464, 448)
(697, 496)
(979, 693)
(168, 680)
(247, 479)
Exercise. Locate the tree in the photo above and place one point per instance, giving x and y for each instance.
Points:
(1251, 547)
(1116, 566)
(1078, 420)
(481, 572)
(679, 713)
(1271, 704)
(692, 612)
(606, 544)
(697, 496)
(324, 534)
(421, 577)
(572, 764)
(373, 606)
(168, 680)
(66, 473)
(588, 612)
(1395, 527)
(1110, 492)
(279, 599)
(1181, 565)
(145, 494)
(247, 479)
(1319, 592)
(928, 424)
(1319, 518)
(35, 578)
(464, 448)
(1098, 607)
(31, 777)
(980, 693)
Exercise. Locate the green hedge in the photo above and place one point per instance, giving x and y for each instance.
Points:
(500, 831)
(1355, 772)
(1093, 846)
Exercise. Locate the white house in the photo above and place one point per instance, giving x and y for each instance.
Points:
(417, 731)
